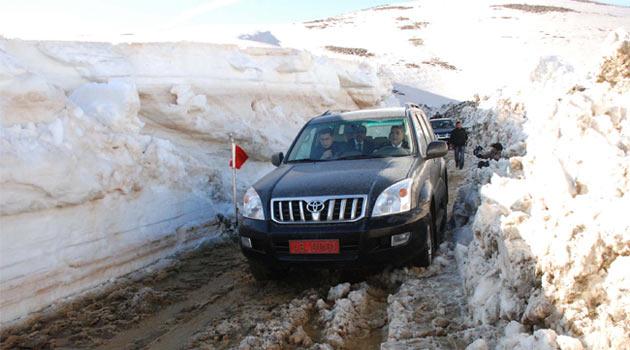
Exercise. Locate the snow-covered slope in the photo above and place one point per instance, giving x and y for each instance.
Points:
(456, 49)
(109, 153)
(445, 49)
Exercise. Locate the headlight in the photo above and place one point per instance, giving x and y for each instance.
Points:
(252, 205)
(394, 199)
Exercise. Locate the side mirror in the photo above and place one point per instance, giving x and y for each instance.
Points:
(276, 158)
(437, 149)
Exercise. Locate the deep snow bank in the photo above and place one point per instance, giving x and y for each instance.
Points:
(551, 235)
(110, 153)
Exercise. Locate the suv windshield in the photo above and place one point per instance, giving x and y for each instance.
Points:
(341, 139)
(442, 124)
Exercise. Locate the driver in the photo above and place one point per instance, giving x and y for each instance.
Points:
(327, 147)
(397, 137)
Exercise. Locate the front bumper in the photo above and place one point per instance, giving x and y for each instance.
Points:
(443, 137)
(362, 244)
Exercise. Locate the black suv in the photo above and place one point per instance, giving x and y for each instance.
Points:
(356, 189)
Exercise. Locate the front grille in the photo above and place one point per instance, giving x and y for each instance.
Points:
(317, 210)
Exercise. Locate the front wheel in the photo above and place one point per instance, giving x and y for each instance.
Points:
(425, 257)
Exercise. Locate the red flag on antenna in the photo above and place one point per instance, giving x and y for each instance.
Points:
(241, 157)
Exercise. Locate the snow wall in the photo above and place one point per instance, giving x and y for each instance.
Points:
(550, 250)
(110, 155)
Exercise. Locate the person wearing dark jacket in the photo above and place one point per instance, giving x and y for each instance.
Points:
(327, 148)
(459, 137)
(360, 142)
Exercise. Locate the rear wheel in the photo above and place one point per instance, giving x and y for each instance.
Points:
(425, 257)
(262, 272)
(441, 229)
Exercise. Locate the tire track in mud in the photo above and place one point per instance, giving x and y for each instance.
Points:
(172, 323)
(140, 304)
(428, 311)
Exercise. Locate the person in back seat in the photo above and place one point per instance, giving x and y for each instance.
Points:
(361, 142)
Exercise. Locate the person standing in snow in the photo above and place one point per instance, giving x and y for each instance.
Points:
(459, 137)
(494, 153)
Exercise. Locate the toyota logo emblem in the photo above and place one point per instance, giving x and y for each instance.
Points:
(315, 206)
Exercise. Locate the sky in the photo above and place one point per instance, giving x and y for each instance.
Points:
(128, 15)
(21, 17)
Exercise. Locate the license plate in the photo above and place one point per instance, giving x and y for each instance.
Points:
(314, 246)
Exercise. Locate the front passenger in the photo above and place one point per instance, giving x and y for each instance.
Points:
(397, 137)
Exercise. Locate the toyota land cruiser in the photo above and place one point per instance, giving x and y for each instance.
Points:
(355, 189)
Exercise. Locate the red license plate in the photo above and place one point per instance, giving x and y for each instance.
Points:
(314, 246)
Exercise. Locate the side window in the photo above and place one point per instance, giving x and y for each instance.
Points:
(420, 135)
(304, 148)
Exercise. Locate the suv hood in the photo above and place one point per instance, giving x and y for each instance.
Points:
(365, 176)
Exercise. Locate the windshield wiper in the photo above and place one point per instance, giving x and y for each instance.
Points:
(358, 156)
(306, 160)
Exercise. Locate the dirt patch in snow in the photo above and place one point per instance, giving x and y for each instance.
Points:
(534, 8)
(385, 8)
(596, 2)
(439, 63)
(416, 41)
(356, 51)
(415, 25)
(616, 69)
(328, 22)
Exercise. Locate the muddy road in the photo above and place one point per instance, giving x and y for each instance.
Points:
(206, 299)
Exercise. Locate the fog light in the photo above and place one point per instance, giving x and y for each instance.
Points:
(400, 239)
(246, 242)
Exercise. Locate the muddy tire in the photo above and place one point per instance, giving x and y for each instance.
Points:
(443, 226)
(425, 257)
(262, 272)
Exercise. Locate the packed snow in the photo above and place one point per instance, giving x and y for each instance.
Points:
(110, 152)
(550, 233)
